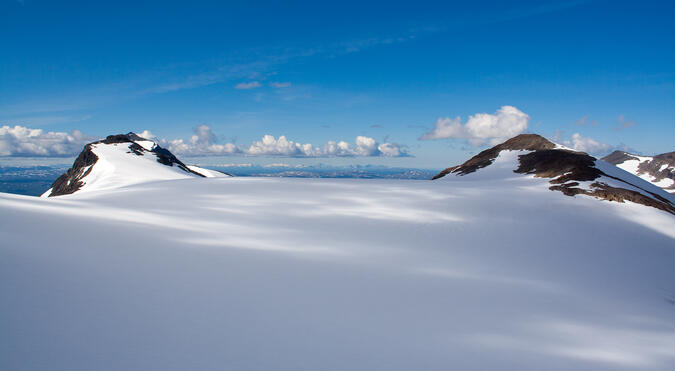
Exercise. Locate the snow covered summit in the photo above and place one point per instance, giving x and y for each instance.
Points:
(121, 160)
(571, 172)
(658, 170)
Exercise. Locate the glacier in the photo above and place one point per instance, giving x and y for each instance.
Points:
(288, 274)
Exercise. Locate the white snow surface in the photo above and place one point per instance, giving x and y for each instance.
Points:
(346, 274)
(207, 172)
(501, 169)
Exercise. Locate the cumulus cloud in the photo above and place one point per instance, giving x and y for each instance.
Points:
(269, 145)
(586, 144)
(363, 146)
(389, 149)
(482, 128)
(247, 85)
(23, 141)
(204, 142)
(147, 134)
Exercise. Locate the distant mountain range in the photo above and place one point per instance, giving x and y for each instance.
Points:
(125, 159)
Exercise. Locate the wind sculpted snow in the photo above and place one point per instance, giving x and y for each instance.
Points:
(287, 274)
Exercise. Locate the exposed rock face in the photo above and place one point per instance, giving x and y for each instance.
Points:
(71, 180)
(527, 142)
(654, 169)
(618, 157)
(566, 168)
(561, 165)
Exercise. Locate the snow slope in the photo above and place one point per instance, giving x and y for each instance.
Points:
(288, 274)
(118, 164)
(208, 173)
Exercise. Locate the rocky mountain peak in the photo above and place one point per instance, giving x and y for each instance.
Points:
(570, 172)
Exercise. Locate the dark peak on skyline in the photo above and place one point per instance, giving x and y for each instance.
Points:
(618, 157)
(122, 138)
(522, 142)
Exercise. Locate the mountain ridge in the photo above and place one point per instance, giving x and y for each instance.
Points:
(658, 170)
(570, 172)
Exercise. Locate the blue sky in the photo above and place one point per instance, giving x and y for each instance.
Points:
(596, 75)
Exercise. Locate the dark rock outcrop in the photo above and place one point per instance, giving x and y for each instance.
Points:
(527, 142)
(71, 180)
(618, 157)
(565, 168)
(561, 165)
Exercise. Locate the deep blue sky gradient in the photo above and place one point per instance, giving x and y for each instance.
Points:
(384, 70)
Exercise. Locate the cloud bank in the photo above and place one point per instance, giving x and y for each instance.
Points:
(482, 128)
(204, 142)
(23, 141)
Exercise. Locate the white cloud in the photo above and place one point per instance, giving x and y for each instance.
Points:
(363, 146)
(280, 84)
(480, 128)
(147, 134)
(366, 146)
(586, 144)
(269, 145)
(23, 141)
(389, 149)
(203, 142)
(247, 85)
